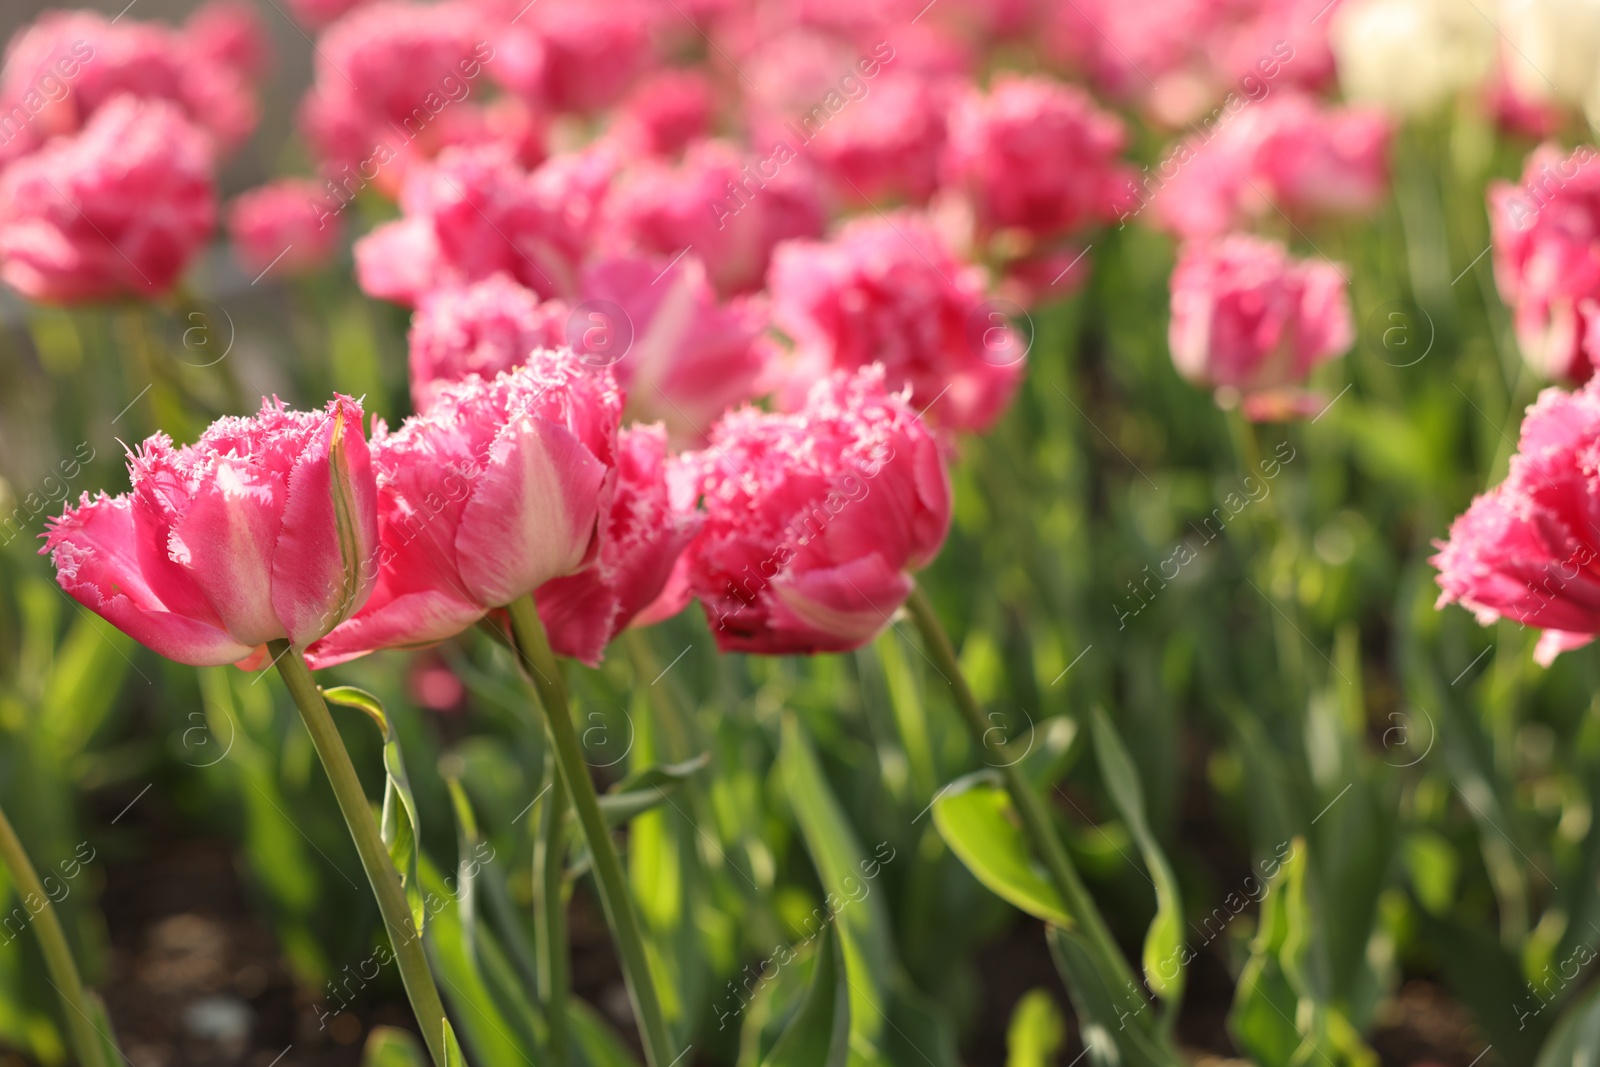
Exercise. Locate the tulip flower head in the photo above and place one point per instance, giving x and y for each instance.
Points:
(815, 520)
(495, 490)
(1529, 549)
(283, 227)
(264, 529)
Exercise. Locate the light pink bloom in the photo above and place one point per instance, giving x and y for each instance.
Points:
(573, 55)
(493, 491)
(1250, 320)
(283, 225)
(665, 112)
(89, 62)
(1529, 549)
(264, 529)
(890, 291)
(815, 520)
(732, 209)
(230, 33)
(385, 73)
(119, 208)
(474, 212)
(1037, 156)
(484, 328)
(687, 357)
(1546, 234)
(642, 539)
(888, 145)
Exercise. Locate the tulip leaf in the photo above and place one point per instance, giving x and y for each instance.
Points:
(452, 1047)
(819, 1033)
(1576, 1036)
(644, 789)
(1114, 1023)
(977, 821)
(1163, 942)
(400, 825)
(597, 1044)
(389, 1046)
(1037, 1031)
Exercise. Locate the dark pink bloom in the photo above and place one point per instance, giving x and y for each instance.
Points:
(889, 144)
(266, 528)
(1546, 235)
(484, 328)
(641, 540)
(474, 212)
(1247, 319)
(493, 491)
(385, 74)
(1037, 156)
(1529, 549)
(815, 520)
(283, 225)
(890, 291)
(732, 209)
(119, 208)
(230, 33)
(665, 113)
(687, 357)
(78, 61)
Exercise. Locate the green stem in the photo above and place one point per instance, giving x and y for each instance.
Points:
(1035, 815)
(57, 955)
(549, 864)
(534, 648)
(403, 934)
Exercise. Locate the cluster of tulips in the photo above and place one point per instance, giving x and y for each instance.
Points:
(703, 296)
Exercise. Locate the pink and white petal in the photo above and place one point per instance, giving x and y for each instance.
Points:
(1554, 642)
(840, 608)
(532, 515)
(413, 620)
(224, 541)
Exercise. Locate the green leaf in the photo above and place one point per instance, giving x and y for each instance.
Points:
(644, 789)
(388, 1046)
(844, 871)
(1112, 1022)
(1037, 1031)
(400, 825)
(597, 1044)
(1575, 1041)
(819, 1033)
(1163, 941)
(452, 1047)
(976, 820)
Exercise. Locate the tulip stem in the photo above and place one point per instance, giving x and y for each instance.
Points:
(86, 1041)
(534, 648)
(549, 862)
(403, 934)
(1033, 812)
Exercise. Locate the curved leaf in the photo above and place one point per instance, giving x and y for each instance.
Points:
(977, 821)
(819, 1033)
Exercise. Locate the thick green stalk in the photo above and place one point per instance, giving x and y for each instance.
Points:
(549, 862)
(540, 661)
(1035, 815)
(53, 941)
(403, 934)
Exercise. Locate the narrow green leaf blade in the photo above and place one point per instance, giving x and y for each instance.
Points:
(819, 1033)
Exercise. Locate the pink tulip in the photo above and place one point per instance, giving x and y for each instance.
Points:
(385, 75)
(264, 529)
(685, 357)
(642, 539)
(283, 226)
(1036, 156)
(493, 491)
(572, 55)
(889, 145)
(231, 34)
(483, 328)
(1249, 320)
(889, 291)
(1286, 153)
(120, 208)
(78, 61)
(474, 212)
(1546, 234)
(1529, 549)
(665, 113)
(731, 209)
(815, 520)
